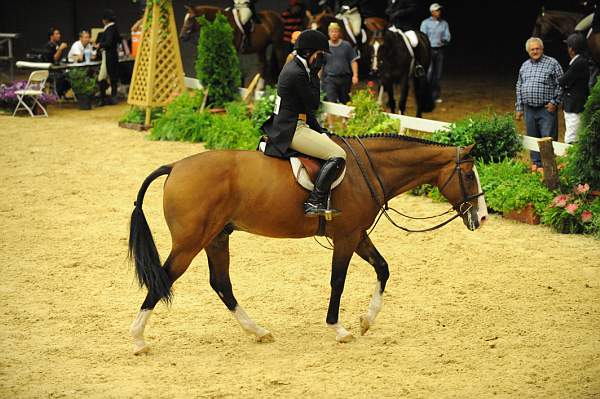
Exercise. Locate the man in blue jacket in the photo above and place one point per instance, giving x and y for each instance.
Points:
(438, 32)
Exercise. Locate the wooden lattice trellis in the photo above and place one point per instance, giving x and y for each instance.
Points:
(158, 72)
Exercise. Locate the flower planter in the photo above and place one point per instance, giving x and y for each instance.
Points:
(525, 215)
(140, 127)
(84, 101)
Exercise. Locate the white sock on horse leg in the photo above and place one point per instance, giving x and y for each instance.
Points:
(247, 323)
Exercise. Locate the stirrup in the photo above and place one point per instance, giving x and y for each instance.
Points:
(312, 210)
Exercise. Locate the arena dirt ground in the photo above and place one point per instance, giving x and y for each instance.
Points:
(508, 311)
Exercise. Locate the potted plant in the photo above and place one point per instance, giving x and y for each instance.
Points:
(573, 213)
(83, 85)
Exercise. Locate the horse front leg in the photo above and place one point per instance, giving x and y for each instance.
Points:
(388, 87)
(368, 252)
(344, 247)
(217, 253)
(403, 94)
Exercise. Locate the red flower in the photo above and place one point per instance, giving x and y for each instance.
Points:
(571, 208)
(582, 188)
(586, 216)
(560, 200)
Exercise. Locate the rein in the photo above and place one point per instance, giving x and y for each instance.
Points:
(383, 205)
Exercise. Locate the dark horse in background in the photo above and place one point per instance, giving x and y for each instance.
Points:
(391, 63)
(208, 196)
(268, 33)
(557, 25)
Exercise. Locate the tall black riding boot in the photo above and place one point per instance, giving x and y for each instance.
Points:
(317, 201)
(114, 89)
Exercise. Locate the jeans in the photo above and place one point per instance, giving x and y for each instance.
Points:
(539, 123)
(434, 74)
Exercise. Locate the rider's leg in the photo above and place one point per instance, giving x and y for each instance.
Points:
(320, 146)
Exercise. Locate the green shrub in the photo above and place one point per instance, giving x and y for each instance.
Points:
(138, 115)
(263, 108)
(495, 136)
(181, 120)
(232, 130)
(82, 83)
(509, 186)
(584, 157)
(218, 65)
(368, 117)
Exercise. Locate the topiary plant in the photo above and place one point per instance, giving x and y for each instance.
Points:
(218, 65)
(495, 136)
(584, 157)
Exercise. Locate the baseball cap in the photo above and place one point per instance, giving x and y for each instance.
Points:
(434, 7)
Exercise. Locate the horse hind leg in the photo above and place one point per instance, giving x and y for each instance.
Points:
(176, 264)
(217, 253)
(368, 252)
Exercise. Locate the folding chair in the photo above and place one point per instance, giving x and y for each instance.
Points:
(33, 90)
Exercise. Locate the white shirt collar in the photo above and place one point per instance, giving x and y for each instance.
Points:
(108, 24)
(573, 59)
(303, 61)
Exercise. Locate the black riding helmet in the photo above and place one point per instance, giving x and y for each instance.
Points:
(576, 41)
(312, 40)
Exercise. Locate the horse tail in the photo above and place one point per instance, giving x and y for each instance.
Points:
(142, 249)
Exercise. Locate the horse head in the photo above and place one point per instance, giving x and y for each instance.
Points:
(459, 183)
(373, 53)
(190, 24)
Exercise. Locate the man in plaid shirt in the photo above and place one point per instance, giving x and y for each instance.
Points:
(538, 94)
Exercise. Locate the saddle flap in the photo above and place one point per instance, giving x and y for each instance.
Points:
(305, 169)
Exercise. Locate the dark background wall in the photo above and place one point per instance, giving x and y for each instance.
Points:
(488, 36)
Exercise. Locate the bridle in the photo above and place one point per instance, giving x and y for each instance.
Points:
(462, 208)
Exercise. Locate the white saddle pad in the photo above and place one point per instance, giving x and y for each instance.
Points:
(300, 173)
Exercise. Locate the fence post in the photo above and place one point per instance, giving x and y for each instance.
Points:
(551, 179)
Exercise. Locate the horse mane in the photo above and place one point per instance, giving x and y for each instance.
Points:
(564, 13)
(398, 137)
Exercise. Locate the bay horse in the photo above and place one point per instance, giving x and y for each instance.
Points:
(391, 63)
(208, 196)
(554, 24)
(268, 32)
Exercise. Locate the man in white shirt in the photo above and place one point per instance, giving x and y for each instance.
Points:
(80, 47)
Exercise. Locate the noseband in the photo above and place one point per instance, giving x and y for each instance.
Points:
(462, 208)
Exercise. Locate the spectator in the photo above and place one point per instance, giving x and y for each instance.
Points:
(293, 21)
(575, 85)
(80, 47)
(53, 51)
(438, 32)
(341, 69)
(538, 94)
(108, 42)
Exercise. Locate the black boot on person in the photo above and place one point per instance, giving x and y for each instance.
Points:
(316, 204)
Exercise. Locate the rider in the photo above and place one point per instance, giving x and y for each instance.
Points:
(586, 23)
(293, 127)
(246, 11)
(349, 11)
(403, 16)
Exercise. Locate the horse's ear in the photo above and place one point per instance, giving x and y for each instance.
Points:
(467, 149)
(189, 9)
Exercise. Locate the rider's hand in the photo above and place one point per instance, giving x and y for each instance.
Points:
(325, 131)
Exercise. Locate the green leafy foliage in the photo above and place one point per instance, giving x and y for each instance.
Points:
(368, 117)
(263, 108)
(495, 136)
(509, 186)
(232, 130)
(218, 65)
(138, 115)
(82, 83)
(584, 157)
(575, 212)
(182, 120)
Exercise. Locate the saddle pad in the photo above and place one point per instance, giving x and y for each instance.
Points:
(300, 173)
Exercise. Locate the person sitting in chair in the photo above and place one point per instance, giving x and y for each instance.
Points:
(293, 127)
(53, 53)
(81, 47)
(245, 12)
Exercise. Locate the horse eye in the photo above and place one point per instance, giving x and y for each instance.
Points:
(470, 176)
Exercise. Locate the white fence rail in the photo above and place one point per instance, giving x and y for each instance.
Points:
(406, 122)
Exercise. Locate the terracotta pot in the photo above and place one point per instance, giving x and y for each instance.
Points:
(525, 215)
(135, 126)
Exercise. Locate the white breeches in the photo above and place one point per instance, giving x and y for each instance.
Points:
(572, 122)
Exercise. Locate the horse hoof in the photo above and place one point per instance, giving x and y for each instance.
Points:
(345, 338)
(268, 337)
(365, 324)
(139, 349)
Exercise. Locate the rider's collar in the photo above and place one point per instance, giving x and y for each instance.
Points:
(303, 61)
